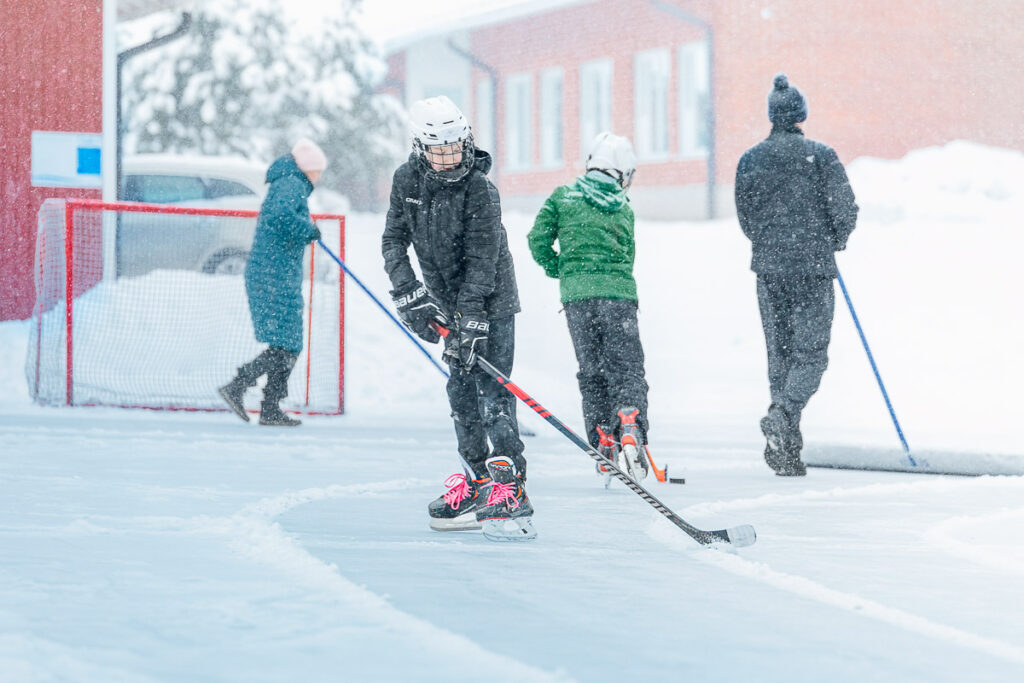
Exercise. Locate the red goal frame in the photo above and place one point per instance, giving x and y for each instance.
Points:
(70, 205)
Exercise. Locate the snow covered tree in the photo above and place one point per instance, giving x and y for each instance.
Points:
(250, 77)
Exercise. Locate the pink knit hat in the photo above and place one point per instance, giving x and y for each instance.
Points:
(309, 156)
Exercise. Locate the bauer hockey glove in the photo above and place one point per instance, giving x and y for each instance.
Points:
(472, 338)
(418, 309)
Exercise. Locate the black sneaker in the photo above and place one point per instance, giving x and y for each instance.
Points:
(455, 510)
(232, 394)
(271, 415)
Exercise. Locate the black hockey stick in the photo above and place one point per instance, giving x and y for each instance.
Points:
(739, 536)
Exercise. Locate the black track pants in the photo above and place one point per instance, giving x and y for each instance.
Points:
(483, 409)
(606, 338)
(796, 313)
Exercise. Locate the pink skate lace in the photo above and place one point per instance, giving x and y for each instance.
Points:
(503, 492)
(458, 490)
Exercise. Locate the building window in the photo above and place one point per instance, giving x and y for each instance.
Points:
(551, 117)
(595, 101)
(694, 101)
(518, 110)
(483, 126)
(651, 71)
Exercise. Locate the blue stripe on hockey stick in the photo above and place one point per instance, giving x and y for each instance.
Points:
(878, 377)
(395, 320)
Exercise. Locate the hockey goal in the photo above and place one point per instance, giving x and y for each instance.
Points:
(144, 306)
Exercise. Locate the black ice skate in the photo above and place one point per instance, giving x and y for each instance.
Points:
(609, 448)
(232, 393)
(455, 510)
(271, 415)
(506, 514)
(632, 456)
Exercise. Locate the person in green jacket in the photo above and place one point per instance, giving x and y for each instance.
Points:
(273, 281)
(593, 223)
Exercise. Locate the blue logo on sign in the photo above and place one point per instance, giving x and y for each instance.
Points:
(89, 160)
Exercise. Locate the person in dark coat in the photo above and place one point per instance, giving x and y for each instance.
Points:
(795, 204)
(273, 281)
(443, 205)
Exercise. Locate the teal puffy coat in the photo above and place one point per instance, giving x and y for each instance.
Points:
(273, 275)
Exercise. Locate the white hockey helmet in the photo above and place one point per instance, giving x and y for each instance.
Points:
(614, 155)
(437, 121)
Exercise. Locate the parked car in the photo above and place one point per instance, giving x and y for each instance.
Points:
(216, 245)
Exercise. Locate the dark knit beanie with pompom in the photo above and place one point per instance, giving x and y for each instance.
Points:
(786, 105)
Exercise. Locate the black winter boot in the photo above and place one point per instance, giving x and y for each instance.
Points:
(233, 394)
(271, 415)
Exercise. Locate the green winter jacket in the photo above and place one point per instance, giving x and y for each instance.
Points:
(596, 247)
(273, 275)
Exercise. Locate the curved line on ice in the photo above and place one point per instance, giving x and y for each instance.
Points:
(937, 485)
(1002, 554)
(662, 531)
(259, 537)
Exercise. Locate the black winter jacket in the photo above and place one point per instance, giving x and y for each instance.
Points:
(795, 203)
(456, 231)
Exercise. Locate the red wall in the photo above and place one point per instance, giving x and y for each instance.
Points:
(882, 77)
(51, 78)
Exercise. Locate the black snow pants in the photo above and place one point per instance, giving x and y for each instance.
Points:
(606, 338)
(483, 409)
(276, 363)
(796, 313)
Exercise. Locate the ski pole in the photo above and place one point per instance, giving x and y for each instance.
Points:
(739, 536)
(874, 367)
(395, 320)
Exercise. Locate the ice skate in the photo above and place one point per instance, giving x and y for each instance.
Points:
(632, 456)
(455, 509)
(609, 448)
(506, 514)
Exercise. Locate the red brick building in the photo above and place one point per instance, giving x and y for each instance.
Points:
(881, 77)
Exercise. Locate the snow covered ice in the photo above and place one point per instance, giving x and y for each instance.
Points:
(143, 546)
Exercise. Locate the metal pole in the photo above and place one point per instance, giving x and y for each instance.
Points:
(710, 110)
(493, 73)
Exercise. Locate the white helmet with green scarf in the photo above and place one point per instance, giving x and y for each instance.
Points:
(614, 155)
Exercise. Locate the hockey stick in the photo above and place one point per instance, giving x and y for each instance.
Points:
(739, 536)
(874, 368)
(344, 268)
(396, 321)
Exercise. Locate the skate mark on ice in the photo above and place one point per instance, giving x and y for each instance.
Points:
(1003, 530)
(728, 560)
(891, 491)
(260, 538)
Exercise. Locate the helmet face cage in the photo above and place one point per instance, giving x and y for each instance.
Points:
(454, 159)
(625, 179)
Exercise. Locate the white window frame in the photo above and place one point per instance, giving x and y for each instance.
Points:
(518, 122)
(595, 101)
(652, 73)
(552, 128)
(483, 130)
(694, 91)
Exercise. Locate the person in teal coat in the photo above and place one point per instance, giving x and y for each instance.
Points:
(593, 223)
(273, 281)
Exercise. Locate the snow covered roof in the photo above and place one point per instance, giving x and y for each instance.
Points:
(133, 9)
(479, 15)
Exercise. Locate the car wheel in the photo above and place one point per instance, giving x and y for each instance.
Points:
(227, 262)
